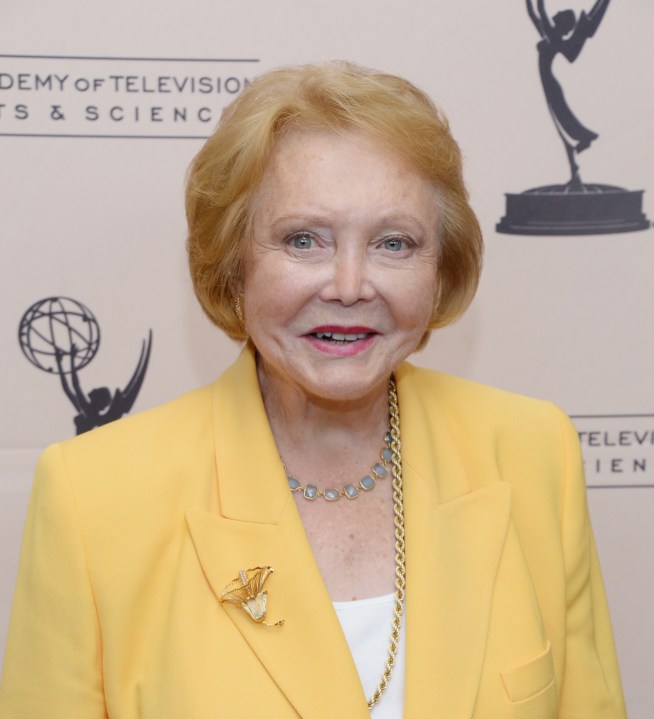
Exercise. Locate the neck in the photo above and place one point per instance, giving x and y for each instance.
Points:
(302, 422)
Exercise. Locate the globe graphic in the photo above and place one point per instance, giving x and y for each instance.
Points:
(59, 325)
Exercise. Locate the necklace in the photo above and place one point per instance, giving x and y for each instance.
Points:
(391, 453)
(379, 470)
(400, 556)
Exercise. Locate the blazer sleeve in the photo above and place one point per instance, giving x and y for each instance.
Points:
(53, 661)
(591, 686)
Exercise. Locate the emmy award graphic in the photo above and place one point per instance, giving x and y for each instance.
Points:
(573, 208)
(61, 336)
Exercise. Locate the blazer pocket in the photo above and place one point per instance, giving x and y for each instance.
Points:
(531, 687)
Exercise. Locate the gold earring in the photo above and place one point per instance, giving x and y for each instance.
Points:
(237, 306)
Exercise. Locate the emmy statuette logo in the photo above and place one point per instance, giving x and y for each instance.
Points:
(575, 207)
(61, 336)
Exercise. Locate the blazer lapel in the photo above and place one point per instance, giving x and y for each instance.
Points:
(259, 525)
(454, 541)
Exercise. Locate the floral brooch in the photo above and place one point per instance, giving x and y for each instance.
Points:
(246, 592)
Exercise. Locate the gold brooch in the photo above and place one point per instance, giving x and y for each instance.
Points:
(245, 592)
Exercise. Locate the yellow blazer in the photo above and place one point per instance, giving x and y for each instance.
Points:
(134, 530)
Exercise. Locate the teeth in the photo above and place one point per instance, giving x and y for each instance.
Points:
(336, 337)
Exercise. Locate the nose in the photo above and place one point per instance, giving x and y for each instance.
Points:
(350, 279)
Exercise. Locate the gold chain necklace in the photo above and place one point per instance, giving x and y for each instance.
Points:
(400, 556)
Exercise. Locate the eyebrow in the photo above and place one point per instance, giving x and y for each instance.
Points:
(317, 219)
(311, 218)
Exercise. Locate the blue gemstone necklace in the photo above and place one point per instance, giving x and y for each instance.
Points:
(378, 470)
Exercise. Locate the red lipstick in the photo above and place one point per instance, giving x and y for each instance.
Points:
(341, 340)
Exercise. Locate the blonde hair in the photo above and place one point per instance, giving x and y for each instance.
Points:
(225, 175)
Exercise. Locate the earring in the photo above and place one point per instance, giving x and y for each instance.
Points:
(237, 306)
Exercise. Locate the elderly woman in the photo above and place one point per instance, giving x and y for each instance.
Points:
(326, 528)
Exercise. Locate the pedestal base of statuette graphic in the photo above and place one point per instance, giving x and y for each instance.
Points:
(588, 210)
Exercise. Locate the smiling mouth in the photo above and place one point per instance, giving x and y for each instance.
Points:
(338, 338)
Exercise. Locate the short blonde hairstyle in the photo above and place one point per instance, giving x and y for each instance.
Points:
(225, 175)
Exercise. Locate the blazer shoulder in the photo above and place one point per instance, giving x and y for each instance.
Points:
(451, 388)
(504, 436)
(170, 416)
(478, 410)
(147, 441)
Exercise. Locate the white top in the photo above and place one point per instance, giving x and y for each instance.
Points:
(366, 624)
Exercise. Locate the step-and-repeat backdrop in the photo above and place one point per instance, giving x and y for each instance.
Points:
(103, 105)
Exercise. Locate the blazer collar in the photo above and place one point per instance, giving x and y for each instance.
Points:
(454, 540)
(252, 484)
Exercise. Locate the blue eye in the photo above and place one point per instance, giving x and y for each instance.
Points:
(395, 244)
(302, 242)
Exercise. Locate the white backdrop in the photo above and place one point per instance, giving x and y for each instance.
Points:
(91, 208)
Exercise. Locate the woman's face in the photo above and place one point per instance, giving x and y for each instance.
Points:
(340, 276)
